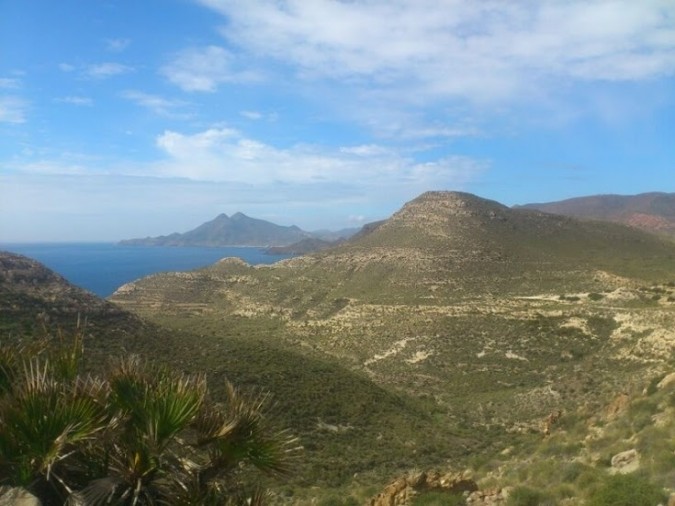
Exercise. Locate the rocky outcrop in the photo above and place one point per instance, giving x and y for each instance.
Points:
(492, 497)
(401, 491)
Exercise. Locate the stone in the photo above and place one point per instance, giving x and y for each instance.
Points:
(626, 462)
(667, 381)
(401, 491)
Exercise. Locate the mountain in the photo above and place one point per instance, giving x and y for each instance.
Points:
(493, 319)
(458, 333)
(450, 278)
(654, 212)
(308, 245)
(237, 230)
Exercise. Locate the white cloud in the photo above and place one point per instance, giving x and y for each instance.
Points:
(12, 110)
(9, 82)
(105, 70)
(252, 115)
(223, 154)
(157, 104)
(66, 67)
(205, 68)
(476, 50)
(76, 100)
(117, 45)
(365, 150)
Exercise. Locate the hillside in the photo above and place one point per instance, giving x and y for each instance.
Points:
(494, 318)
(237, 230)
(445, 337)
(345, 407)
(653, 212)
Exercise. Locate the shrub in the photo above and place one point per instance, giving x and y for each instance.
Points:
(524, 496)
(140, 435)
(626, 490)
(438, 498)
(595, 296)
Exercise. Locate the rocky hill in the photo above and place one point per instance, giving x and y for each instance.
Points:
(653, 212)
(450, 278)
(237, 230)
(321, 401)
(492, 318)
(457, 334)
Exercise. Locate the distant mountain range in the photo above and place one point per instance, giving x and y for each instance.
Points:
(654, 212)
(241, 230)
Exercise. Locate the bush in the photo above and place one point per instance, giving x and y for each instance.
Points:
(139, 435)
(524, 496)
(626, 490)
(437, 498)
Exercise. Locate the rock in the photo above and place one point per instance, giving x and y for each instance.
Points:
(626, 462)
(17, 496)
(490, 497)
(667, 381)
(671, 499)
(401, 491)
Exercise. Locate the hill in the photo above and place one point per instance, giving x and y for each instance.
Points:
(237, 230)
(344, 407)
(446, 336)
(493, 316)
(653, 212)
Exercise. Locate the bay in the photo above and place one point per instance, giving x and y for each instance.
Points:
(101, 268)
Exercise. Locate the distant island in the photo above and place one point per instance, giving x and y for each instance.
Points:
(241, 230)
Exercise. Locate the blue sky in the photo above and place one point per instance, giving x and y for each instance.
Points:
(124, 119)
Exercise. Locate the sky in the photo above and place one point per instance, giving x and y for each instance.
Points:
(123, 119)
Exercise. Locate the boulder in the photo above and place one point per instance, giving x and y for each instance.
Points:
(626, 462)
(667, 381)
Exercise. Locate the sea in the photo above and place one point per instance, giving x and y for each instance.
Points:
(101, 268)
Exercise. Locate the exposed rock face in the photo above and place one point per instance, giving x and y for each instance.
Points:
(401, 491)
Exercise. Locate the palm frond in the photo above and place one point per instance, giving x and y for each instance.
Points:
(238, 433)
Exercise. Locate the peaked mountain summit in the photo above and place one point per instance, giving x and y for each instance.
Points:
(235, 230)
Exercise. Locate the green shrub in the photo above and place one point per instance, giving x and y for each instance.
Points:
(595, 296)
(438, 498)
(524, 496)
(626, 490)
(140, 434)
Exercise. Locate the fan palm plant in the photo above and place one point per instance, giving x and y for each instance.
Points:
(142, 435)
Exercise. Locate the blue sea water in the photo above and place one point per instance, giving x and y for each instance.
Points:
(101, 268)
